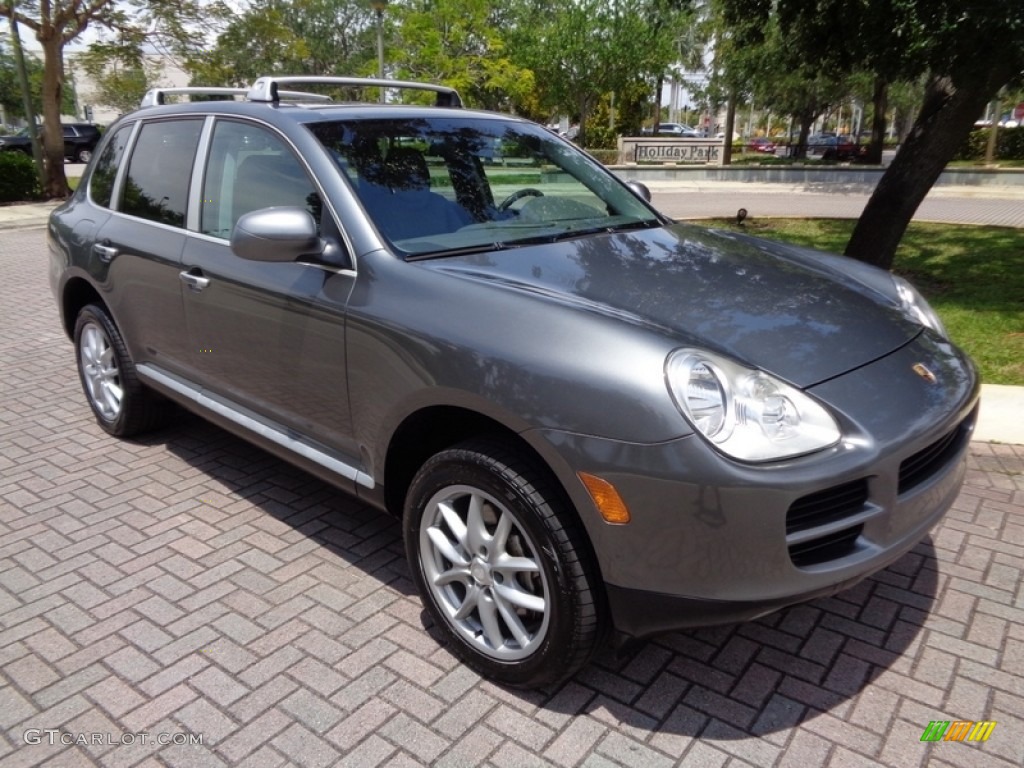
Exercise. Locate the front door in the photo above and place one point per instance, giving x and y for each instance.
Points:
(267, 337)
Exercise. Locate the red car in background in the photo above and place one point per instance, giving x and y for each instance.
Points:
(761, 144)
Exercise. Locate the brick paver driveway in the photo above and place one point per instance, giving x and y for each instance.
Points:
(191, 587)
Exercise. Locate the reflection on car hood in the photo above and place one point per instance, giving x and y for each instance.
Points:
(797, 314)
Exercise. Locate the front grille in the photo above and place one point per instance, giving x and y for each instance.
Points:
(827, 506)
(829, 547)
(826, 510)
(922, 465)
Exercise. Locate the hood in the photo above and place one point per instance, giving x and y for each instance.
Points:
(798, 314)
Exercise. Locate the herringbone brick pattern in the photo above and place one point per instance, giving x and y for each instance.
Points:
(190, 585)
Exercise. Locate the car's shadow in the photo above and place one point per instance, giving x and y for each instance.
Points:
(727, 682)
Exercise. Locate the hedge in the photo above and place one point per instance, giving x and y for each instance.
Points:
(18, 179)
(1009, 145)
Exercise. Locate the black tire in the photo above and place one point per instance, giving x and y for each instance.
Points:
(537, 555)
(83, 155)
(123, 406)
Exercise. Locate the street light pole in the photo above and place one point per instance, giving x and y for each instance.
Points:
(378, 7)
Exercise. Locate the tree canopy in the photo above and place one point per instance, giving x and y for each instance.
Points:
(963, 51)
(177, 24)
(581, 56)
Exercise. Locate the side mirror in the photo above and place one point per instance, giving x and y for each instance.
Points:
(276, 234)
(640, 190)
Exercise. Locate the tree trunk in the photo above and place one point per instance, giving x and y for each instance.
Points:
(880, 100)
(805, 130)
(730, 122)
(945, 120)
(582, 103)
(656, 109)
(53, 134)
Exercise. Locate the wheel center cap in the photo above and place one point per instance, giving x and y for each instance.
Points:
(480, 572)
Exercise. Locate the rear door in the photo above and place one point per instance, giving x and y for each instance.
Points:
(144, 177)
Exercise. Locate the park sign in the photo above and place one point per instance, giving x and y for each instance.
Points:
(642, 150)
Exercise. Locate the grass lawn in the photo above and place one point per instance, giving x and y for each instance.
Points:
(973, 277)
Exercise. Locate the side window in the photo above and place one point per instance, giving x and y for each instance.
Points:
(160, 170)
(101, 186)
(249, 168)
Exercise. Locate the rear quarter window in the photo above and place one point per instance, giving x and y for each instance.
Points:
(101, 187)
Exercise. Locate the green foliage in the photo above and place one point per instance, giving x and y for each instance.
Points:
(582, 50)
(18, 179)
(119, 72)
(1009, 145)
(302, 37)
(459, 43)
(606, 156)
(10, 87)
(598, 132)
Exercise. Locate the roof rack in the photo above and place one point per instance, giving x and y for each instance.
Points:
(266, 89)
(156, 96)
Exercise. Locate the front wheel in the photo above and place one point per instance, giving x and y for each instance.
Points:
(502, 565)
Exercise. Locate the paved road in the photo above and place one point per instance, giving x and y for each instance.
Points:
(189, 584)
(999, 206)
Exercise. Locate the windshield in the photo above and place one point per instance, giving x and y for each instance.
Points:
(440, 185)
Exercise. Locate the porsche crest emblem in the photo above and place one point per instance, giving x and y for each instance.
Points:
(922, 370)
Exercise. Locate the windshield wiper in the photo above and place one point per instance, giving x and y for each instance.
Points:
(466, 250)
(544, 239)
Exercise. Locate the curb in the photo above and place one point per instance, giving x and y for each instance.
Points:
(26, 215)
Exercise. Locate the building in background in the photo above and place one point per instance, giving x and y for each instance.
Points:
(160, 69)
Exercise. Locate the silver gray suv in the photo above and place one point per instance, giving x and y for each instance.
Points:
(595, 423)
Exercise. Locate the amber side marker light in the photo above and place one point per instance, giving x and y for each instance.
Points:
(607, 500)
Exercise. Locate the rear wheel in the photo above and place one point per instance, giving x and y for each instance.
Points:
(122, 404)
(502, 565)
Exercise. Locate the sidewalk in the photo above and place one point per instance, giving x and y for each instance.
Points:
(25, 215)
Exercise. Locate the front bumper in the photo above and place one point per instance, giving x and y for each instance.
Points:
(712, 540)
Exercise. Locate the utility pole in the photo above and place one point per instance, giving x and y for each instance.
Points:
(26, 95)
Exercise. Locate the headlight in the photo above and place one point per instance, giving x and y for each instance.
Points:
(916, 308)
(745, 413)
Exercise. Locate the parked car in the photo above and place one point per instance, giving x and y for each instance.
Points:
(17, 142)
(80, 139)
(761, 144)
(832, 147)
(677, 130)
(593, 421)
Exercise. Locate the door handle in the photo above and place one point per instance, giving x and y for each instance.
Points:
(106, 253)
(194, 279)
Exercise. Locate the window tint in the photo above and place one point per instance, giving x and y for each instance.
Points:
(250, 168)
(160, 170)
(102, 184)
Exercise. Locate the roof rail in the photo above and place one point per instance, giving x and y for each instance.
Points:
(266, 88)
(156, 96)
